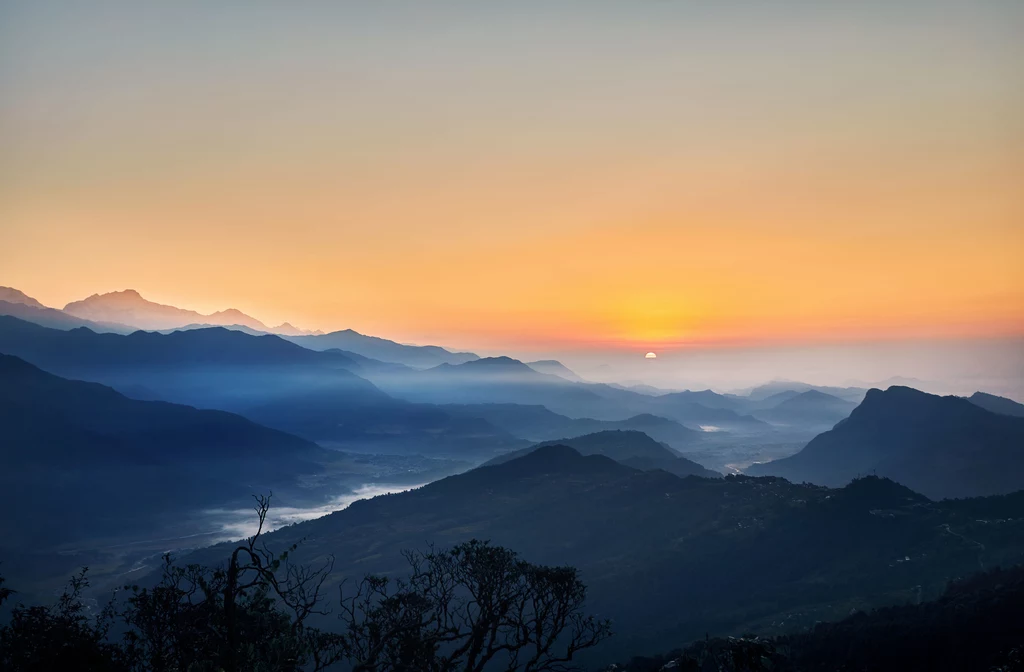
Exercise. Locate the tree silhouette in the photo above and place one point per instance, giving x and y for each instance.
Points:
(460, 610)
(465, 607)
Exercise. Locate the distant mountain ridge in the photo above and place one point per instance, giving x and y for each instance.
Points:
(12, 295)
(810, 408)
(734, 551)
(320, 396)
(555, 368)
(629, 447)
(939, 446)
(417, 356)
(127, 310)
(1001, 405)
(536, 423)
(62, 441)
(129, 307)
(81, 348)
(855, 394)
(57, 319)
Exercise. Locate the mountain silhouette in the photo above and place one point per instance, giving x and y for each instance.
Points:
(938, 446)
(855, 394)
(631, 448)
(808, 409)
(496, 366)
(129, 307)
(12, 295)
(488, 380)
(1001, 405)
(57, 319)
(707, 399)
(81, 459)
(555, 368)
(537, 424)
(547, 460)
(83, 349)
(734, 551)
(156, 429)
(417, 356)
(320, 396)
(680, 406)
(286, 329)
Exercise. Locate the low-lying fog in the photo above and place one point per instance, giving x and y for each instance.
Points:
(241, 523)
(952, 366)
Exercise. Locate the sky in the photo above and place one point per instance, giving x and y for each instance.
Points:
(531, 176)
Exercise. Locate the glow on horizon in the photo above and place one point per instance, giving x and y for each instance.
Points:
(636, 176)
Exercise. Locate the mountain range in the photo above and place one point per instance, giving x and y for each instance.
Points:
(111, 437)
(127, 311)
(629, 447)
(320, 396)
(81, 460)
(1001, 405)
(811, 409)
(669, 558)
(418, 356)
(555, 368)
(939, 446)
(973, 627)
(855, 394)
(536, 423)
(128, 307)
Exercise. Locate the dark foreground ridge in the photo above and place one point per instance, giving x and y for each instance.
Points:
(976, 625)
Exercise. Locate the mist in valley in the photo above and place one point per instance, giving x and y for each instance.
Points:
(511, 337)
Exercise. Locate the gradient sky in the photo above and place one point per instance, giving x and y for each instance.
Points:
(526, 175)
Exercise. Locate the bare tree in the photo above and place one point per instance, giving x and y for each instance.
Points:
(251, 615)
(471, 608)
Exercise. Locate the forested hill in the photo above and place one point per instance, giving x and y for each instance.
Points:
(670, 558)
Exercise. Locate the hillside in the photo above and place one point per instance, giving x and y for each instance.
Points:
(495, 380)
(555, 368)
(84, 349)
(939, 446)
(416, 356)
(807, 410)
(56, 319)
(973, 627)
(671, 558)
(129, 307)
(536, 423)
(12, 295)
(1001, 405)
(83, 460)
(761, 392)
(631, 448)
(317, 395)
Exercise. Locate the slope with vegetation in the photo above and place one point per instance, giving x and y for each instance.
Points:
(320, 396)
(975, 626)
(996, 404)
(470, 608)
(669, 558)
(628, 447)
(83, 461)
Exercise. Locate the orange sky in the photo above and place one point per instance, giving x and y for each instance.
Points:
(526, 178)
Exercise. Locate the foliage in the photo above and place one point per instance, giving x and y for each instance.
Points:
(61, 636)
(459, 611)
(465, 607)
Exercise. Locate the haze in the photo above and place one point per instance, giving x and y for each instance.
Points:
(537, 335)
